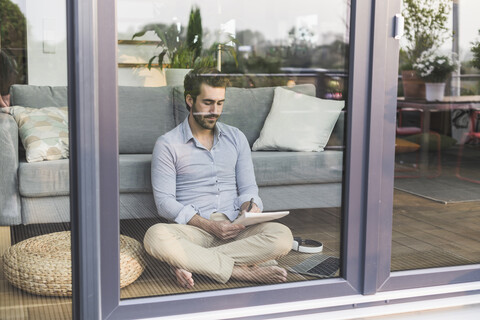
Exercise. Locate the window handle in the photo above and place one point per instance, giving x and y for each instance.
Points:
(399, 26)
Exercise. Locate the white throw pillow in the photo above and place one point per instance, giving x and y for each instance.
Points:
(298, 122)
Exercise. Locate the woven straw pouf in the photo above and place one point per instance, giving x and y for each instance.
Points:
(42, 265)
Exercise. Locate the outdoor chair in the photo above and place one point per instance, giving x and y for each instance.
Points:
(411, 130)
(470, 137)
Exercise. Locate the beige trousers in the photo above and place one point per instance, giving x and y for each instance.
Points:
(195, 250)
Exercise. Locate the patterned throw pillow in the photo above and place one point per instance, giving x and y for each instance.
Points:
(43, 131)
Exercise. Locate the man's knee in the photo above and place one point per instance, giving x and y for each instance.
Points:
(155, 237)
(283, 238)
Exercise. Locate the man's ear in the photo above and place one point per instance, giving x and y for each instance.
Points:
(189, 100)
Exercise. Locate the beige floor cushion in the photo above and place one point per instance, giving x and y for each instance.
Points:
(42, 265)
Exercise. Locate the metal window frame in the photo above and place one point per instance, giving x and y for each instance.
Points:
(379, 213)
(368, 184)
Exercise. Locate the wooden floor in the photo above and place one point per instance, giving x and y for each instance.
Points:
(431, 234)
(425, 234)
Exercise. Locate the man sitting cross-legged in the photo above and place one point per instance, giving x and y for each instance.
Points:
(203, 178)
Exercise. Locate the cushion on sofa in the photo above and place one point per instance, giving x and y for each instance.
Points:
(245, 109)
(43, 131)
(38, 96)
(139, 127)
(51, 178)
(298, 122)
(180, 111)
(288, 168)
(337, 136)
(43, 179)
(135, 173)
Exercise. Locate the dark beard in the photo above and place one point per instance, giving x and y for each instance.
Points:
(202, 120)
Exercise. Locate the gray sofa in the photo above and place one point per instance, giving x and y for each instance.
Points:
(38, 192)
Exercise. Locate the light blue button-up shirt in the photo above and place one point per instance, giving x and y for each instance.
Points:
(188, 179)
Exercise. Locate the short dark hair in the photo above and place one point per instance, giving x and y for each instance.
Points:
(194, 79)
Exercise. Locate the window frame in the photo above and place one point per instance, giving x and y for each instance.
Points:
(367, 189)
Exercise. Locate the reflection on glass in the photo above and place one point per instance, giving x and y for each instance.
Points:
(34, 165)
(437, 181)
(281, 139)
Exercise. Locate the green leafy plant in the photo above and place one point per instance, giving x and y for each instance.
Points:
(425, 27)
(434, 68)
(181, 52)
(476, 53)
(169, 37)
(195, 32)
(12, 35)
(8, 71)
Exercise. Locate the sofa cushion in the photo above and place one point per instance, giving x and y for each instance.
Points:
(138, 127)
(51, 178)
(38, 96)
(298, 122)
(336, 138)
(43, 179)
(145, 113)
(43, 131)
(288, 168)
(135, 173)
(179, 106)
(245, 109)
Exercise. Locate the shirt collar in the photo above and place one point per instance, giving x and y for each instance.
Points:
(187, 132)
(188, 135)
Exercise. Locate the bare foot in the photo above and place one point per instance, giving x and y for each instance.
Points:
(270, 274)
(184, 278)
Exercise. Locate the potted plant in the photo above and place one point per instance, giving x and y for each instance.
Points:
(177, 53)
(425, 28)
(174, 53)
(434, 69)
(180, 54)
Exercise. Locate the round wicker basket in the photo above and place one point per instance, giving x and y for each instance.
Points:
(42, 265)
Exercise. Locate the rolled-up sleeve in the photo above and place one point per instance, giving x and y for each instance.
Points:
(245, 175)
(164, 185)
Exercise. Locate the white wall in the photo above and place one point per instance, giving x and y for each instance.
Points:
(46, 42)
(141, 76)
(47, 48)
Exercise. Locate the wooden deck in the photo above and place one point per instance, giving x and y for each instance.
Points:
(425, 234)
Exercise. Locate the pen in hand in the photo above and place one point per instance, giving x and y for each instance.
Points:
(250, 205)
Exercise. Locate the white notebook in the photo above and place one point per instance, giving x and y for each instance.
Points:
(249, 218)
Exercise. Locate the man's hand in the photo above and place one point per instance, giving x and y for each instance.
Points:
(244, 207)
(225, 229)
(221, 229)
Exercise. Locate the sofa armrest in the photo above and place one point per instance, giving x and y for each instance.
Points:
(10, 213)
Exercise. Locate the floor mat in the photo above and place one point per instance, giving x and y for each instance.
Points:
(444, 189)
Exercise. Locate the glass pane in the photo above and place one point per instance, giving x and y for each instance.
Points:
(437, 151)
(279, 141)
(34, 165)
